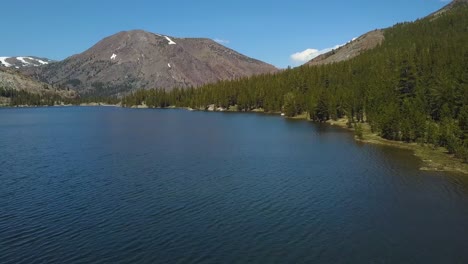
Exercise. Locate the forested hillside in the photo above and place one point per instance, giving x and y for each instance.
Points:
(17, 89)
(413, 87)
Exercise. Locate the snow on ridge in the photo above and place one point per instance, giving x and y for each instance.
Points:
(40, 61)
(3, 61)
(22, 59)
(170, 40)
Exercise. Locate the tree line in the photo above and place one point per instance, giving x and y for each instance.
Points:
(21, 97)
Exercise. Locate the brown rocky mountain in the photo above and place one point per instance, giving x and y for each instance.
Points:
(136, 59)
(367, 41)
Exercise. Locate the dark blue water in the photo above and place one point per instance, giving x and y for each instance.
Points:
(112, 185)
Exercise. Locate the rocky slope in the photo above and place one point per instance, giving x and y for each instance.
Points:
(137, 59)
(352, 49)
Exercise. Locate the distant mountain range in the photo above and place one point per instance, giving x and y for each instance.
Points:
(136, 59)
(21, 62)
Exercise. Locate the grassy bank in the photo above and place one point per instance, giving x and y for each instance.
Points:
(434, 158)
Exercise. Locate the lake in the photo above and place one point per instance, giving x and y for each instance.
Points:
(115, 185)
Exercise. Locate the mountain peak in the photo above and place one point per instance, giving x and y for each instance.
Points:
(135, 59)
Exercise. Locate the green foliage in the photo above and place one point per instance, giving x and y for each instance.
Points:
(321, 111)
(358, 131)
(290, 105)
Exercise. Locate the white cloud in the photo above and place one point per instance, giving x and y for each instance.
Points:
(221, 41)
(302, 57)
(308, 54)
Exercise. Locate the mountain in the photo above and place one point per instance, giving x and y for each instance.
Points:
(21, 62)
(368, 41)
(130, 60)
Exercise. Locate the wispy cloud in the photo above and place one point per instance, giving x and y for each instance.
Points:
(221, 41)
(302, 57)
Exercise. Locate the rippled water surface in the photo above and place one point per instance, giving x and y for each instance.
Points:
(111, 185)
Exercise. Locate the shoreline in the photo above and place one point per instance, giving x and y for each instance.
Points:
(433, 159)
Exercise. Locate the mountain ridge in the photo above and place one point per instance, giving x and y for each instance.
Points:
(350, 50)
(368, 41)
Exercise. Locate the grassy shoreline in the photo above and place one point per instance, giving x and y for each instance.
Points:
(434, 159)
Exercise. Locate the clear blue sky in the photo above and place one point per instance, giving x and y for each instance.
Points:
(268, 30)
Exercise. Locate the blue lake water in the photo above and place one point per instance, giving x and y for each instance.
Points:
(114, 185)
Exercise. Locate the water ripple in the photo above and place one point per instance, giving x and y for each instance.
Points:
(95, 185)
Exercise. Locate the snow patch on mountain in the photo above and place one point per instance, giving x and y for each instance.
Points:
(23, 60)
(3, 61)
(41, 61)
(170, 40)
